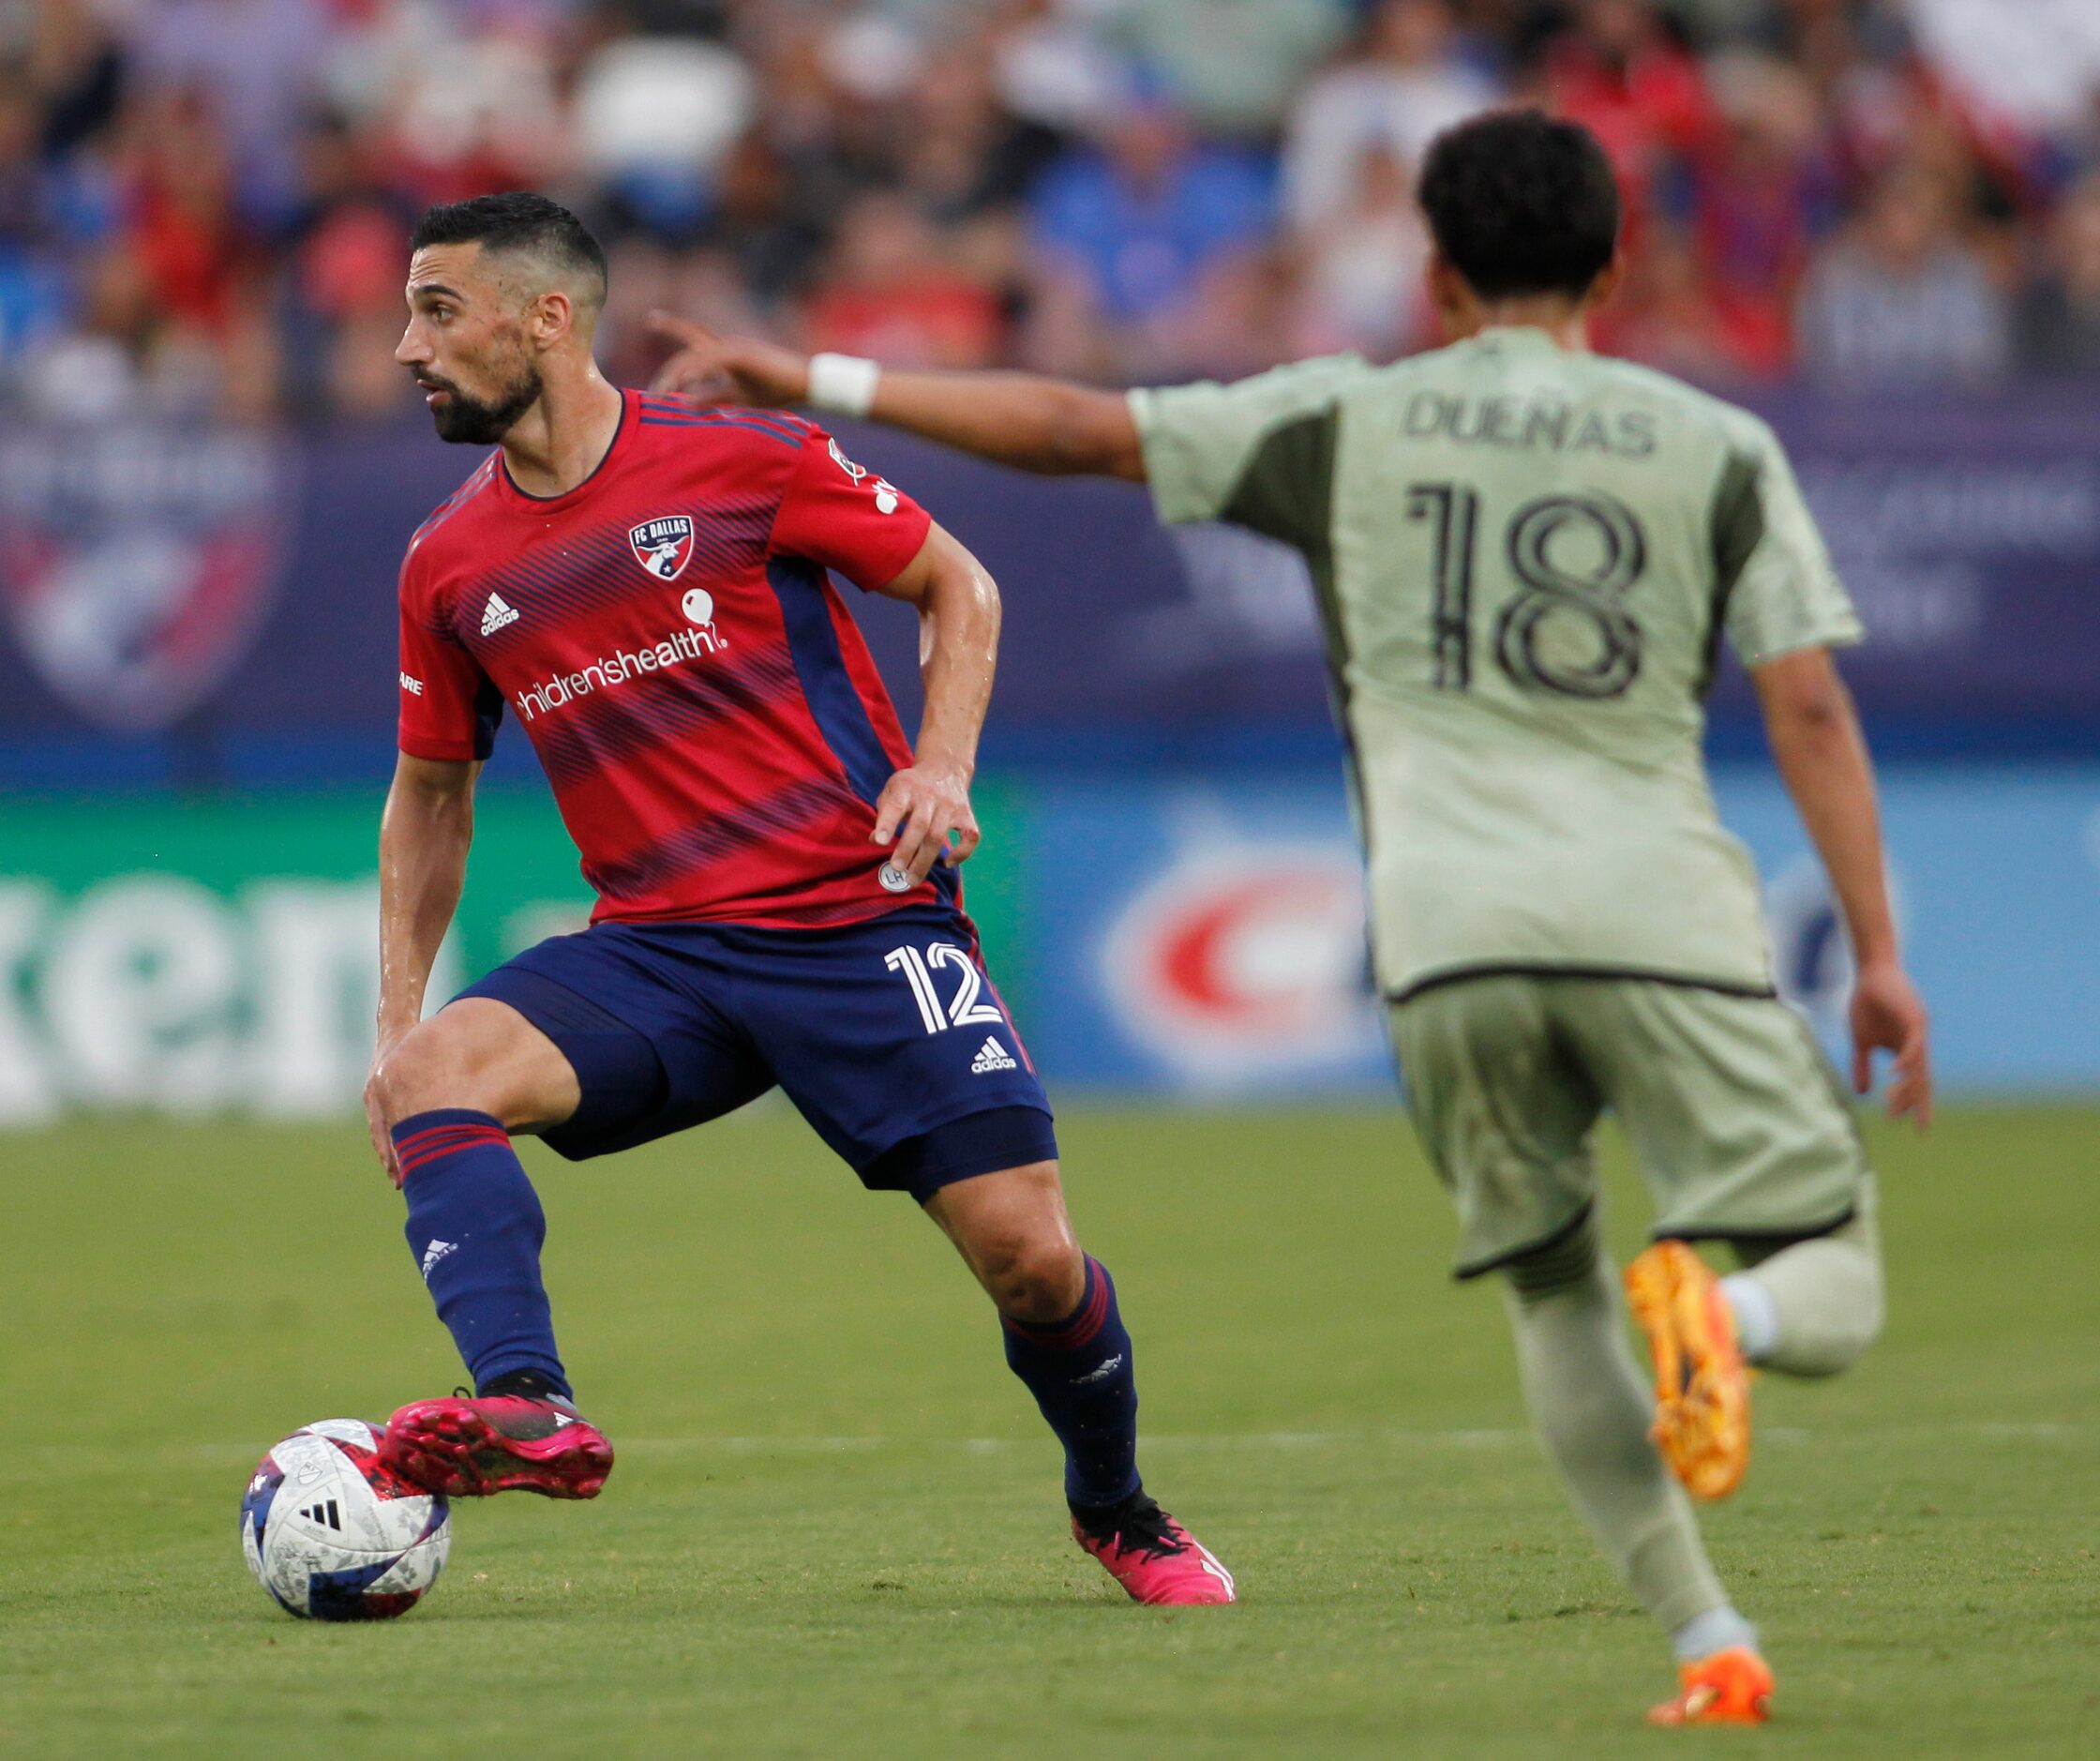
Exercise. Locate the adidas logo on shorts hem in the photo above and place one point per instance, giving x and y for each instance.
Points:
(992, 1056)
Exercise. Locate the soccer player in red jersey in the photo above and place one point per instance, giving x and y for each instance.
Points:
(644, 588)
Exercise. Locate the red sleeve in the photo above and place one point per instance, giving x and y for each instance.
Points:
(842, 515)
(449, 709)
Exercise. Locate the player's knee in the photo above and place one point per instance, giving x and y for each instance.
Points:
(1855, 1316)
(1566, 1262)
(429, 1067)
(1033, 1278)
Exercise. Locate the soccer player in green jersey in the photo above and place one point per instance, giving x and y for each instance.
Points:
(1526, 558)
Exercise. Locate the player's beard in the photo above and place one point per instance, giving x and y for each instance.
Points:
(477, 422)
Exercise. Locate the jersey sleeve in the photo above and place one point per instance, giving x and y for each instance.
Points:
(844, 516)
(1200, 440)
(1782, 591)
(449, 708)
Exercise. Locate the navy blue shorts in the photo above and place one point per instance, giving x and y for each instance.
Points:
(888, 1035)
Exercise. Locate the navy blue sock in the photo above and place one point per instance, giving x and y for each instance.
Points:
(475, 1228)
(1080, 1372)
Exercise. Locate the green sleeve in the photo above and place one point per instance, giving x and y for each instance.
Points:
(1200, 439)
(1785, 593)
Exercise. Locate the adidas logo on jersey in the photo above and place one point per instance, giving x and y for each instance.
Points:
(495, 615)
(991, 1056)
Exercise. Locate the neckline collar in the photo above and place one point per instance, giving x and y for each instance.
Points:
(1525, 336)
(529, 503)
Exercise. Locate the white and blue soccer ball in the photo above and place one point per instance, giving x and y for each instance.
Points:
(334, 1534)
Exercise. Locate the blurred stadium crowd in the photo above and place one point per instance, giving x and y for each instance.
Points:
(202, 202)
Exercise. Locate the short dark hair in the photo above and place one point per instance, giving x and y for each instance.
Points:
(1522, 202)
(518, 220)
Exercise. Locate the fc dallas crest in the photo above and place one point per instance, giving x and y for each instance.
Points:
(663, 546)
(137, 563)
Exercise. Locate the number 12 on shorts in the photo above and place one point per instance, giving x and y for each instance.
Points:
(965, 1007)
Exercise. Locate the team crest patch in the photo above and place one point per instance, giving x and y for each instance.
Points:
(139, 563)
(663, 546)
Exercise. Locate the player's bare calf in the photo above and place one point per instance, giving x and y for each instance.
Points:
(1067, 1342)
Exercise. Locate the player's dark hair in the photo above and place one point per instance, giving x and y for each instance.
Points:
(1522, 202)
(520, 221)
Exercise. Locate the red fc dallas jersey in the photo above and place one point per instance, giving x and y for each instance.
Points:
(699, 697)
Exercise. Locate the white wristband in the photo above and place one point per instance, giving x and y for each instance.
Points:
(843, 384)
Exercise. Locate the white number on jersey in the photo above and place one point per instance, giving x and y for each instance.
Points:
(964, 1008)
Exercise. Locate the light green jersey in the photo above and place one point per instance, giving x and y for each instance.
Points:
(1525, 558)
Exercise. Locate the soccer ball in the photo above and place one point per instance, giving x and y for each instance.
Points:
(334, 1534)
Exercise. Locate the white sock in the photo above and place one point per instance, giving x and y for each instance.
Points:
(1716, 1630)
(1757, 1316)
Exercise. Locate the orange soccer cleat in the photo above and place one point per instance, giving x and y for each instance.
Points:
(1702, 1386)
(1732, 1687)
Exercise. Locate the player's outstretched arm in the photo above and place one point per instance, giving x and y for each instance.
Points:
(958, 607)
(423, 839)
(1822, 755)
(1049, 425)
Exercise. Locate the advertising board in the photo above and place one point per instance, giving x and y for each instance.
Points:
(1195, 940)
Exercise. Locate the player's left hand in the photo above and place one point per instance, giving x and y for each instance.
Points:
(919, 809)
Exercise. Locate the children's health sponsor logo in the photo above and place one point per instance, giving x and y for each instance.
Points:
(675, 649)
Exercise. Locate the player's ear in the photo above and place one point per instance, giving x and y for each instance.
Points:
(550, 317)
(1457, 309)
(1606, 284)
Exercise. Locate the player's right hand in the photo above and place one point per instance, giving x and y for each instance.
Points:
(710, 369)
(924, 812)
(1888, 1015)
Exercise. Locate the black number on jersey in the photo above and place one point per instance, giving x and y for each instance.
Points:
(1550, 593)
(1454, 510)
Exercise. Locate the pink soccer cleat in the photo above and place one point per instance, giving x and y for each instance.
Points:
(470, 1448)
(1152, 1557)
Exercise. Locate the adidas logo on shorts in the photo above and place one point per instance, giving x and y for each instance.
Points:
(495, 615)
(991, 1056)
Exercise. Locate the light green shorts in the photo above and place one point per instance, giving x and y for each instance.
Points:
(1740, 1127)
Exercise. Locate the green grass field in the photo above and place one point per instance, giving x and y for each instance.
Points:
(835, 1529)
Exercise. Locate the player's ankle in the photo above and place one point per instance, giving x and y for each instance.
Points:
(1756, 1315)
(1717, 1630)
(525, 1385)
(1102, 1519)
